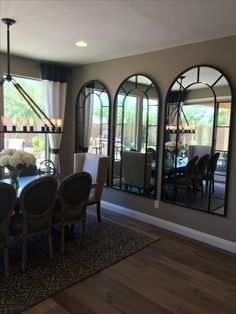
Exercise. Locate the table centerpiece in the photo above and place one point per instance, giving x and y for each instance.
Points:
(15, 160)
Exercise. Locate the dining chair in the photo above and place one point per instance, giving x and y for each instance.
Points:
(72, 203)
(137, 171)
(97, 166)
(31, 170)
(35, 217)
(184, 179)
(8, 198)
(200, 172)
(210, 173)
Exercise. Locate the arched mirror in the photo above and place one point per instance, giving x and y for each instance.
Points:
(92, 119)
(135, 136)
(197, 137)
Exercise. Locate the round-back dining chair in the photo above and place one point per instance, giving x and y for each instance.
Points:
(8, 198)
(37, 201)
(73, 197)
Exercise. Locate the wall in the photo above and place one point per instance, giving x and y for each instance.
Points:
(163, 66)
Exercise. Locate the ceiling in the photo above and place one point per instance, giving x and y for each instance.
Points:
(47, 30)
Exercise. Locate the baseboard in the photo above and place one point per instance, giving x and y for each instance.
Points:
(185, 231)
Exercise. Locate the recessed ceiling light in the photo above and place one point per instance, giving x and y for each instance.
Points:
(81, 44)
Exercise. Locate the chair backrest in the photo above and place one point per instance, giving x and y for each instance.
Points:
(36, 203)
(8, 198)
(74, 192)
(96, 166)
(135, 172)
(154, 153)
(190, 167)
(213, 162)
(47, 167)
(29, 171)
(201, 166)
(198, 150)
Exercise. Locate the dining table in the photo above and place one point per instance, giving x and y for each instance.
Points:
(23, 181)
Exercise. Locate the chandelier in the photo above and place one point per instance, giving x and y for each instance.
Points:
(47, 125)
(177, 114)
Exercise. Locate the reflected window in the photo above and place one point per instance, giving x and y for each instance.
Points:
(197, 136)
(135, 136)
(92, 119)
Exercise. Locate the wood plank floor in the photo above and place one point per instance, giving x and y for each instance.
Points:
(174, 275)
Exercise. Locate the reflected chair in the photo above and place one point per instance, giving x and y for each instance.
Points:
(137, 170)
(35, 217)
(211, 168)
(73, 197)
(183, 180)
(97, 167)
(200, 172)
(47, 167)
(8, 198)
(154, 153)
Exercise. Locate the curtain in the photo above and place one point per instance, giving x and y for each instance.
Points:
(54, 80)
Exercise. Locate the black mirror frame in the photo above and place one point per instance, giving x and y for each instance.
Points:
(114, 130)
(81, 149)
(229, 143)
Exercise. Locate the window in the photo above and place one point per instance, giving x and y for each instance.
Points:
(16, 107)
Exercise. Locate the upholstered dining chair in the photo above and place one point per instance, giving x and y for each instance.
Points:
(36, 202)
(200, 172)
(72, 203)
(8, 198)
(184, 179)
(210, 173)
(97, 166)
(137, 170)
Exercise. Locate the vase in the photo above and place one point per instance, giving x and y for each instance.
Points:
(14, 176)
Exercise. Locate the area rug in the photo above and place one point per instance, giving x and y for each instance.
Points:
(107, 243)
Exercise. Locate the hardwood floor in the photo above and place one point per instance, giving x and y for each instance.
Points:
(174, 275)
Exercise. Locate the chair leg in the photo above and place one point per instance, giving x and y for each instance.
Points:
(6, 261)
(62, 238)
(50, 245)
(24, 254)
(206, 187)
(99, 211)
(84, 229)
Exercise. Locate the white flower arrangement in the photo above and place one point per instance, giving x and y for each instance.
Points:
(16, 159)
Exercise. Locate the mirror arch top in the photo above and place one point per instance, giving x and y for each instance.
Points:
(136, 113)
(93, 118)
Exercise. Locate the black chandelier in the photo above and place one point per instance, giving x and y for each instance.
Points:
(48, 125)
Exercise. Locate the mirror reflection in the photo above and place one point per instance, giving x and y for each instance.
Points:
(135, 136)
(195, 163)
(92, 119)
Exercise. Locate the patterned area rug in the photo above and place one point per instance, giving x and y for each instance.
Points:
(107, 244)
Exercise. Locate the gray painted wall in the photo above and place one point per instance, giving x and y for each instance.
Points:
(163, 66)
